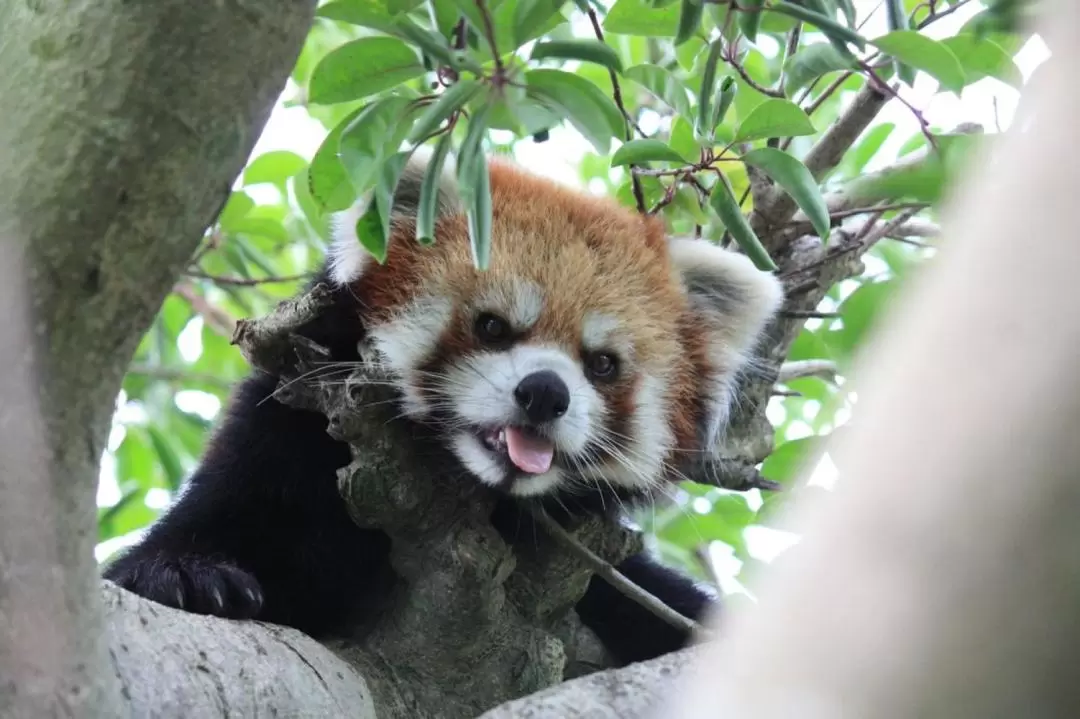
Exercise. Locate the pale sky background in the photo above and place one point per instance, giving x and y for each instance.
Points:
(988, 102)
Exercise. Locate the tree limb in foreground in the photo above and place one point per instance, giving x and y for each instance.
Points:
(124, 126)
(942, 578)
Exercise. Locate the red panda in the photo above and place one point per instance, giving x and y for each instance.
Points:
(593, 349)
(591, 354)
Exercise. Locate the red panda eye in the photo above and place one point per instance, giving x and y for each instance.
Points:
(602, 365)
(492, 328)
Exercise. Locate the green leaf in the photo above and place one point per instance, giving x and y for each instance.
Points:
(452, 100)
(703, 130)
(427, 206)
(235, 209)
(690, 14)
(532, 14)
(774, 118)
(590, 110)
(636, 152)
(663, 85)
(509, 35)
(471, 152)
(791, 460)
(724, 97)
(984, 58)
(861, 312)
(750, 18)
(838, 34)
(328, 182)
(479, 216)
(434, 45)
(865, 150)
(925, 179)
(366, 13)
(586, 50)
(897, 17)
(637, 17)
(389, 174)
(371, 138)
(810, 63)
(724, 204)
(275, 167)
(921, 52)
(682, 140)
(796, 180)
(369, 229)
(170, 462)
(361, 68)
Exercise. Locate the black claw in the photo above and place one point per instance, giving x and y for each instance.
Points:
(194, 584)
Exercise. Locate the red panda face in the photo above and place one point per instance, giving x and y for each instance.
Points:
(591, 352)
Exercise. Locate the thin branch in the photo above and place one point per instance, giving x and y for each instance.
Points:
(934, 17)
(247, 282)
(216, 318)
(616, 92)
(170, 374)
(616, 578)
(800, 369)
(808, 315)
(729, 58)
(489, 34)
(826, 154)
(879, 232)
(841, 214)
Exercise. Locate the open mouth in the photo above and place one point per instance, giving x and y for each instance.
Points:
(525, 449)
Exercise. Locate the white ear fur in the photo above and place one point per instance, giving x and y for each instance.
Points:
(347, 257)
(734, 301)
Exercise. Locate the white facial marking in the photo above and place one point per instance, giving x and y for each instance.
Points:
(481, 389)
(519, 301)
(638, 461)
(488, 470)
(598, 330)
(408, 339)
(348, 260)
(733, 301)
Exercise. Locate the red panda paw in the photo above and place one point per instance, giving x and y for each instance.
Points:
(192, 583)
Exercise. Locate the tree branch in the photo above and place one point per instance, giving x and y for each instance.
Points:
(124, 127)
(778, 207)
(616, 579)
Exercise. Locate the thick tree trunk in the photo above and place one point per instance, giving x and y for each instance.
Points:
(123, 127)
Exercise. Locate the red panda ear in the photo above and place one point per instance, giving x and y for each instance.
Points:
(347, 257)
(732, 302)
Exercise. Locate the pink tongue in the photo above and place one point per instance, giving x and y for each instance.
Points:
(530, 454)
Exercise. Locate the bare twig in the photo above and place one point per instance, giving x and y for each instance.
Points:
(778, 207)
(808, 314)
(171, 374)
(616, 578)
(616, 92)
(489, 34)
(806, 368)
(247, 282)
(216, 318)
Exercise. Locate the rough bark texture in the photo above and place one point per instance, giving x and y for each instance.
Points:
(473, 622)
(124, 125)
(174, 664)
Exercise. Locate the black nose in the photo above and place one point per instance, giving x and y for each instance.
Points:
(543, 395)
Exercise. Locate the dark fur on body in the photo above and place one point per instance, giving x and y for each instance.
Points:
(261, 531)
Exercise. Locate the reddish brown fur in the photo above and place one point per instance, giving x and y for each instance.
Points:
(588, 254)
